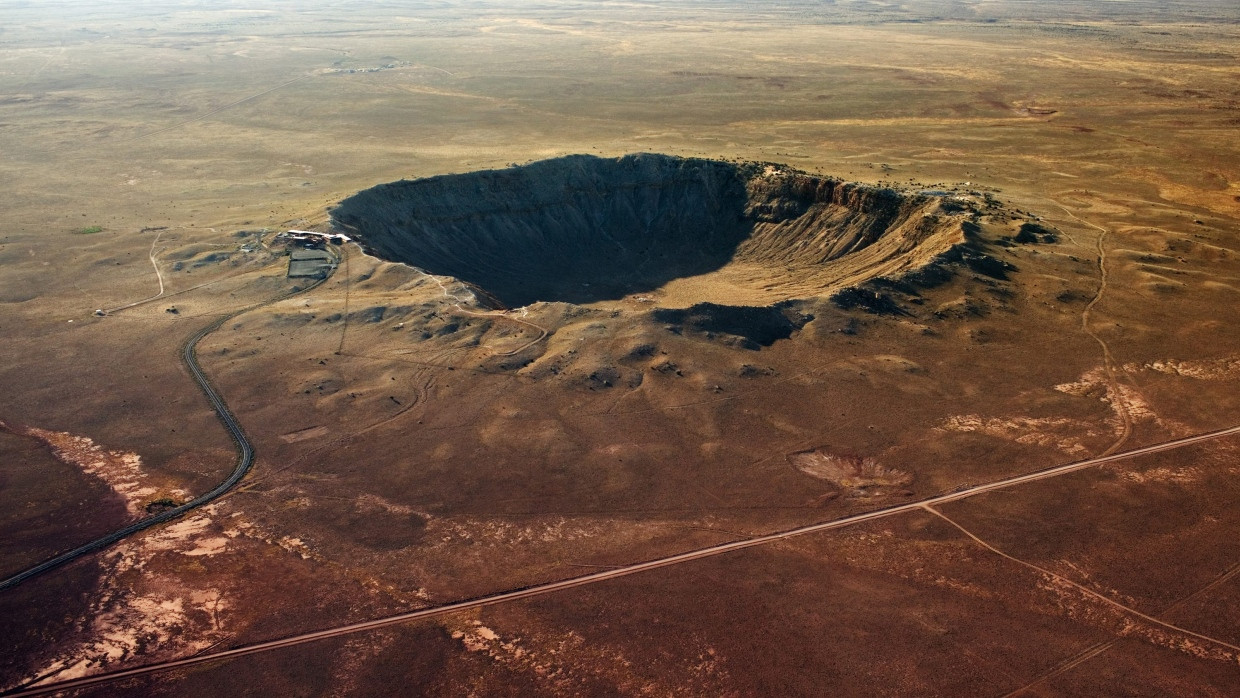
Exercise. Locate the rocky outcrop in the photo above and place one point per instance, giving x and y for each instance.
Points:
(753, 326)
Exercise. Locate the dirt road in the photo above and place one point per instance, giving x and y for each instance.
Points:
(552, 587)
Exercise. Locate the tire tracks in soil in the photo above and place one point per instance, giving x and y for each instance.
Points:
(1109, 365)
(1127, 610)
(656, 563)
(1099, 648)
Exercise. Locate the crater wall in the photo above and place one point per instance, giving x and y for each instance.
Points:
(581, 229)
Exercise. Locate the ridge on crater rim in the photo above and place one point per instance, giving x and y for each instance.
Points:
(582, 229)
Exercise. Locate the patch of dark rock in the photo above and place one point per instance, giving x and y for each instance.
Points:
(1000, 291)
(1033, 233)
(868, 300)
(981, 335)
(936, 273)
(986, 265)
(902, 285)
(213, 258)
(161, 505)
(603, 377)
(762, 326)
(447, 329)
(514, 364)
(954, 205)
(641, 351)
(667, 367)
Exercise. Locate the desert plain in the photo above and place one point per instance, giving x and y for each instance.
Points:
(1049, 200)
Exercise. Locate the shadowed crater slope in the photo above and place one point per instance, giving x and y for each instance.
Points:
(582, 229)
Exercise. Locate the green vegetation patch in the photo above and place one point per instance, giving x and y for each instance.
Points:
(89, 230)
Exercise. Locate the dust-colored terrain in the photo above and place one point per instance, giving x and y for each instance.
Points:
(629, 280)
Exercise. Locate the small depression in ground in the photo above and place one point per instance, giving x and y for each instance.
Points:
(673, 231)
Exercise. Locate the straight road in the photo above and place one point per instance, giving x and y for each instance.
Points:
(615, 573)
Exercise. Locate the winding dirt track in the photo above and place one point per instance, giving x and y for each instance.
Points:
(552, 587)
(1081, 587)
(1125, 414)
(158, 275)
(1108, 360)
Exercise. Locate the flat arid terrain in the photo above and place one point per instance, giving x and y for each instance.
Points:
(650, 348)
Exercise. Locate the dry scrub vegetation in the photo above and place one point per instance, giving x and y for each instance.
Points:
(981, 239)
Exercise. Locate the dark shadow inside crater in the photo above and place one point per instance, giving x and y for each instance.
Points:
(577, 229)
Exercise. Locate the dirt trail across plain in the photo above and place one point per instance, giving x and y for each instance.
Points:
(1080, 587)
(615, 573)
(1099, 648)
(159, 275)
(1108, 360)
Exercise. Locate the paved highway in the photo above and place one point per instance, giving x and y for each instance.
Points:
(615, 573)
(245, 458)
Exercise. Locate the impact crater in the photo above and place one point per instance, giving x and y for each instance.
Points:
(673, 231)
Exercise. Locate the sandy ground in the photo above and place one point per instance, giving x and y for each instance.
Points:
(414, 449)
